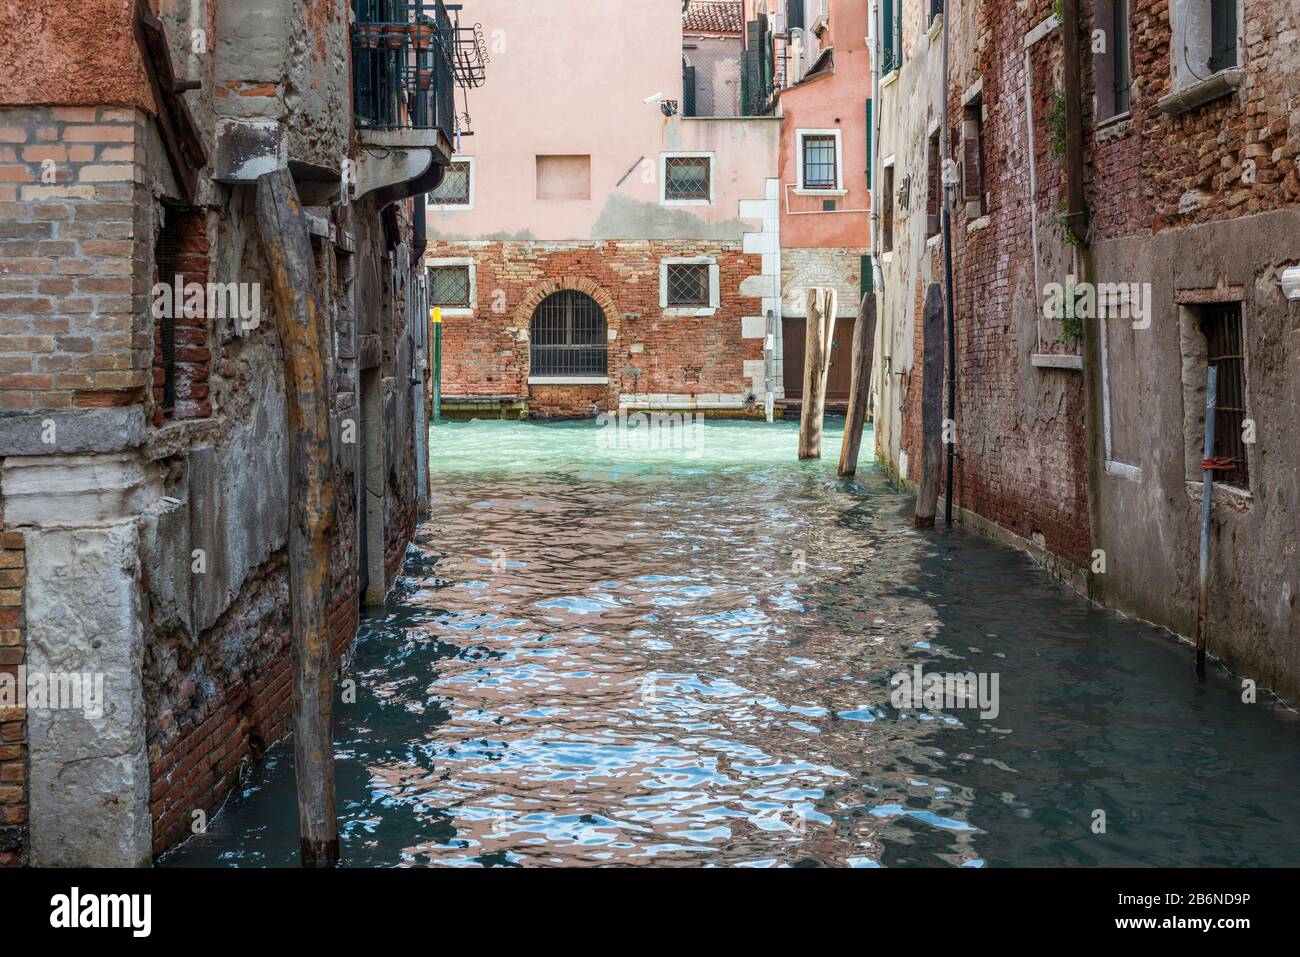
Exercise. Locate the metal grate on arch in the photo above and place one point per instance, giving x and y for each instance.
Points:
(568, 336)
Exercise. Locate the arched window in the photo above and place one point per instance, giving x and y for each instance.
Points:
(568, 336)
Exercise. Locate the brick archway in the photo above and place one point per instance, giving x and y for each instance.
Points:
(524, 314)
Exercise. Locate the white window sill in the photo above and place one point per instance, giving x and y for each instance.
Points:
(889, 78)
(887, 257)
(935, 26)
(975, 225)
(684, 313)
(686, 202)
(454, 312)
(932, 241)
(568, 380)
(802, 191)
(451, 208)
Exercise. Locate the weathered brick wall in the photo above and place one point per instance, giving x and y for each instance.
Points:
(1159, 171)
(488, 354)
(70, 330)
(1020, 428)
(13, 722)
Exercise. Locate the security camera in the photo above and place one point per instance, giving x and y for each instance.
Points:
(655, 98)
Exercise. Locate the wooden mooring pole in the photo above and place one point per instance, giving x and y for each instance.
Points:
(301, 324)
(927, 498)
(818, 335)
(864, 345)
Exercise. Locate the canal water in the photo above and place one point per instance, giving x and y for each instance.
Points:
(679, 651)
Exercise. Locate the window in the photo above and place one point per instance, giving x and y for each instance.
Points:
(819, 169)
(688, 286)
(1112, 58)
(1223, 34)
(568, 337)
(1224, 348)
(891, 44)
(887, 209)
(1206, 55)
(934, 191)
(456, 191)
(563, 177)
(972, 157)
(450, 285)
(936, 10)
(820, 160)
(688, 178)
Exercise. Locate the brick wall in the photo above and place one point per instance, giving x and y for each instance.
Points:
(70, 335)
(13, 723)
(1022, 454)
(486, 354)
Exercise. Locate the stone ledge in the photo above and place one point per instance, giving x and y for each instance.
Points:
(86, 430)
(1223, 83)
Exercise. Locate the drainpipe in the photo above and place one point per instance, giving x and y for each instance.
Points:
(947, 269)
(1077, 215)
(877, 274)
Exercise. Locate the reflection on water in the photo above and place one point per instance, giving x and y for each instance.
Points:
(606, 655)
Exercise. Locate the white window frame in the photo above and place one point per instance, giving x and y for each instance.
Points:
(715, 286)
(455, 312)
(472, 162)
(800, 188)
(663, 178)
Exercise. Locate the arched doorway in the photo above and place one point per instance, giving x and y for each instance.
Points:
(568, 337)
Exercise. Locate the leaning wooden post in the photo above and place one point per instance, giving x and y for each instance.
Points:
(818, 336)
(927, 499)
(864, 346)
(300, 322)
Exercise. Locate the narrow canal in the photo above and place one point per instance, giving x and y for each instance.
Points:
(683, 656)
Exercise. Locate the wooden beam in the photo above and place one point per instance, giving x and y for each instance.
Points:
(180, 134)
(816, 369)
(927, 499)
(300, 319)
(864, 347)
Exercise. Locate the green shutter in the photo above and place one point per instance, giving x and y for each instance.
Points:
(887, 63)
(868, 283)
(869, 159)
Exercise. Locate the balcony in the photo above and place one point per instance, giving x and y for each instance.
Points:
(408, 58)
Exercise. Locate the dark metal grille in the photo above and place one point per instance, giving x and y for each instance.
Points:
(568, 336)
(165, 252)
(687, 177)
(454, 188)
(819, 162)
(688, 285)
(1224, 348)
(405, 65)
(450, 286)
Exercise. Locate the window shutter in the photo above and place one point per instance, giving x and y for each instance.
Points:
(972, 173)
(794, 14)
(868, 278)
(887, 39)
(1223, 34)
(869, 156)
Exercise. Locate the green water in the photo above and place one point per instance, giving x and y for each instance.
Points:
(680, 653)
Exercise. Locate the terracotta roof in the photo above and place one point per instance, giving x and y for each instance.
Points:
(714, 16)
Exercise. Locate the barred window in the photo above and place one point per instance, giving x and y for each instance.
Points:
(449, 286)
(454, 188)
(819, 167)
(687, 177)
(568, 336)
(688, 285)
(1225, 349)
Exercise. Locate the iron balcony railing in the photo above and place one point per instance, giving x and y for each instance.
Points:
(408, 58)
